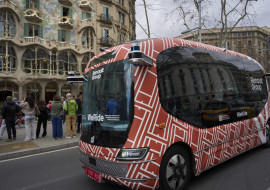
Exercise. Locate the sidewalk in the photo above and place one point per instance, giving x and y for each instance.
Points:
(20, 148)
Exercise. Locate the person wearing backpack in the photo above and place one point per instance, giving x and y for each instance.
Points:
(70, 108)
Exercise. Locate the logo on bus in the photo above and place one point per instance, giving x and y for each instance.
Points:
(97, 74)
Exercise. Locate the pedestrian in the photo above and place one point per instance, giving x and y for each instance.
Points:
(30, 109)
(56, 116)
(79, 112)
(42, 118)
(70, 108)
(9, 111)
(2, 128)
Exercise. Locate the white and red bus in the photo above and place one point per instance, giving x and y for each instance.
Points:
(157, 111)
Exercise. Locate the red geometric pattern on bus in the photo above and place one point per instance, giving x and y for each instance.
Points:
(207, 144)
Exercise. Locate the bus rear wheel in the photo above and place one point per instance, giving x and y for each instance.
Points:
(175, 170)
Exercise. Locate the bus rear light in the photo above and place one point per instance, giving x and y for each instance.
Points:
(132, 154)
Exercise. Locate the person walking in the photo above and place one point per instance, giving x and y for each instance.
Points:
(30, 109)
(56, 117)
(42, 118)
(79, 112)
(9, 111)
(70, 107)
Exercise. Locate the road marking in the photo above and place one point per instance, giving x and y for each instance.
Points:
(37, 154)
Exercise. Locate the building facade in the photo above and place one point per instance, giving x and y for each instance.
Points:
(41, 41)
(250, 40)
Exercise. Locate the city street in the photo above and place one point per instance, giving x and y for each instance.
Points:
(62, 170)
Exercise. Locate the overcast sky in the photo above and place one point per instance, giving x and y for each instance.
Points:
(161, 28)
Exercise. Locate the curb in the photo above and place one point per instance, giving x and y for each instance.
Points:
(22, 153)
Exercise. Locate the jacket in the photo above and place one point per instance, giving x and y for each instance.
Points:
(9, 110)
(79, 102)
(112, 107)
(57, 108)
(71, 107)
(26, 108)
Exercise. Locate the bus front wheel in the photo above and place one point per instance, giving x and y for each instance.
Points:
(175, 170)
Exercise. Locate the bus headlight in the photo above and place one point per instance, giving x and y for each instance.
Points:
(132, 154)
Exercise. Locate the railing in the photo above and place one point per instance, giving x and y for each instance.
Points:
(106, 18)
(66, 44)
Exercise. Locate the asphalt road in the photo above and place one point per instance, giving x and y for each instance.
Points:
(62, 170)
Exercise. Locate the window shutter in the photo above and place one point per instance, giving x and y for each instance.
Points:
(38, 4)
(70, 13)
(40, 32)
(84, 15)
(26, 29)
(59, 36)
(27, 4)
(68, 36)
(62, 11)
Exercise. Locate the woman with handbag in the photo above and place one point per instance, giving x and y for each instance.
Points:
(30, 109)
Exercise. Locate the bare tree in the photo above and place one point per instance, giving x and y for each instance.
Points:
(152, 6)
(225, 14)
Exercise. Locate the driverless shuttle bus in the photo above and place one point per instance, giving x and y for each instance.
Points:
(157, 111)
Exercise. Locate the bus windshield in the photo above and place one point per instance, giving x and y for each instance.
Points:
(108, 104)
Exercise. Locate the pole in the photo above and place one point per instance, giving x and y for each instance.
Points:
(200, 22)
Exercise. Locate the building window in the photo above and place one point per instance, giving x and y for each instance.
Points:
(32, 4)
(239, 46)
(28, 61)
(63, 36)
(121, 2)
(66, 62)
(121, 17)
(86, 15)
(85, 61)
(54, 65)
(32, 30)
(43, 62)
(65, 11)
(88, 39)
(106, 35)
(7, 63)
(106, 14)
(216, 44)
(7, 24)
(121, 38)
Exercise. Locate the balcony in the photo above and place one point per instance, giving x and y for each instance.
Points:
(33, 15)
(66, 2)
(106, 19)
(86, 23)
(65, 22)
(85, 5)
(106, 41)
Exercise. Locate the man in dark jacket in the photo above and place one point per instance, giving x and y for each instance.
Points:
(9, 111)
(79, 112)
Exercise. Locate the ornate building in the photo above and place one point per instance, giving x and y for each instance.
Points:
(41, 41)
(250, 40)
